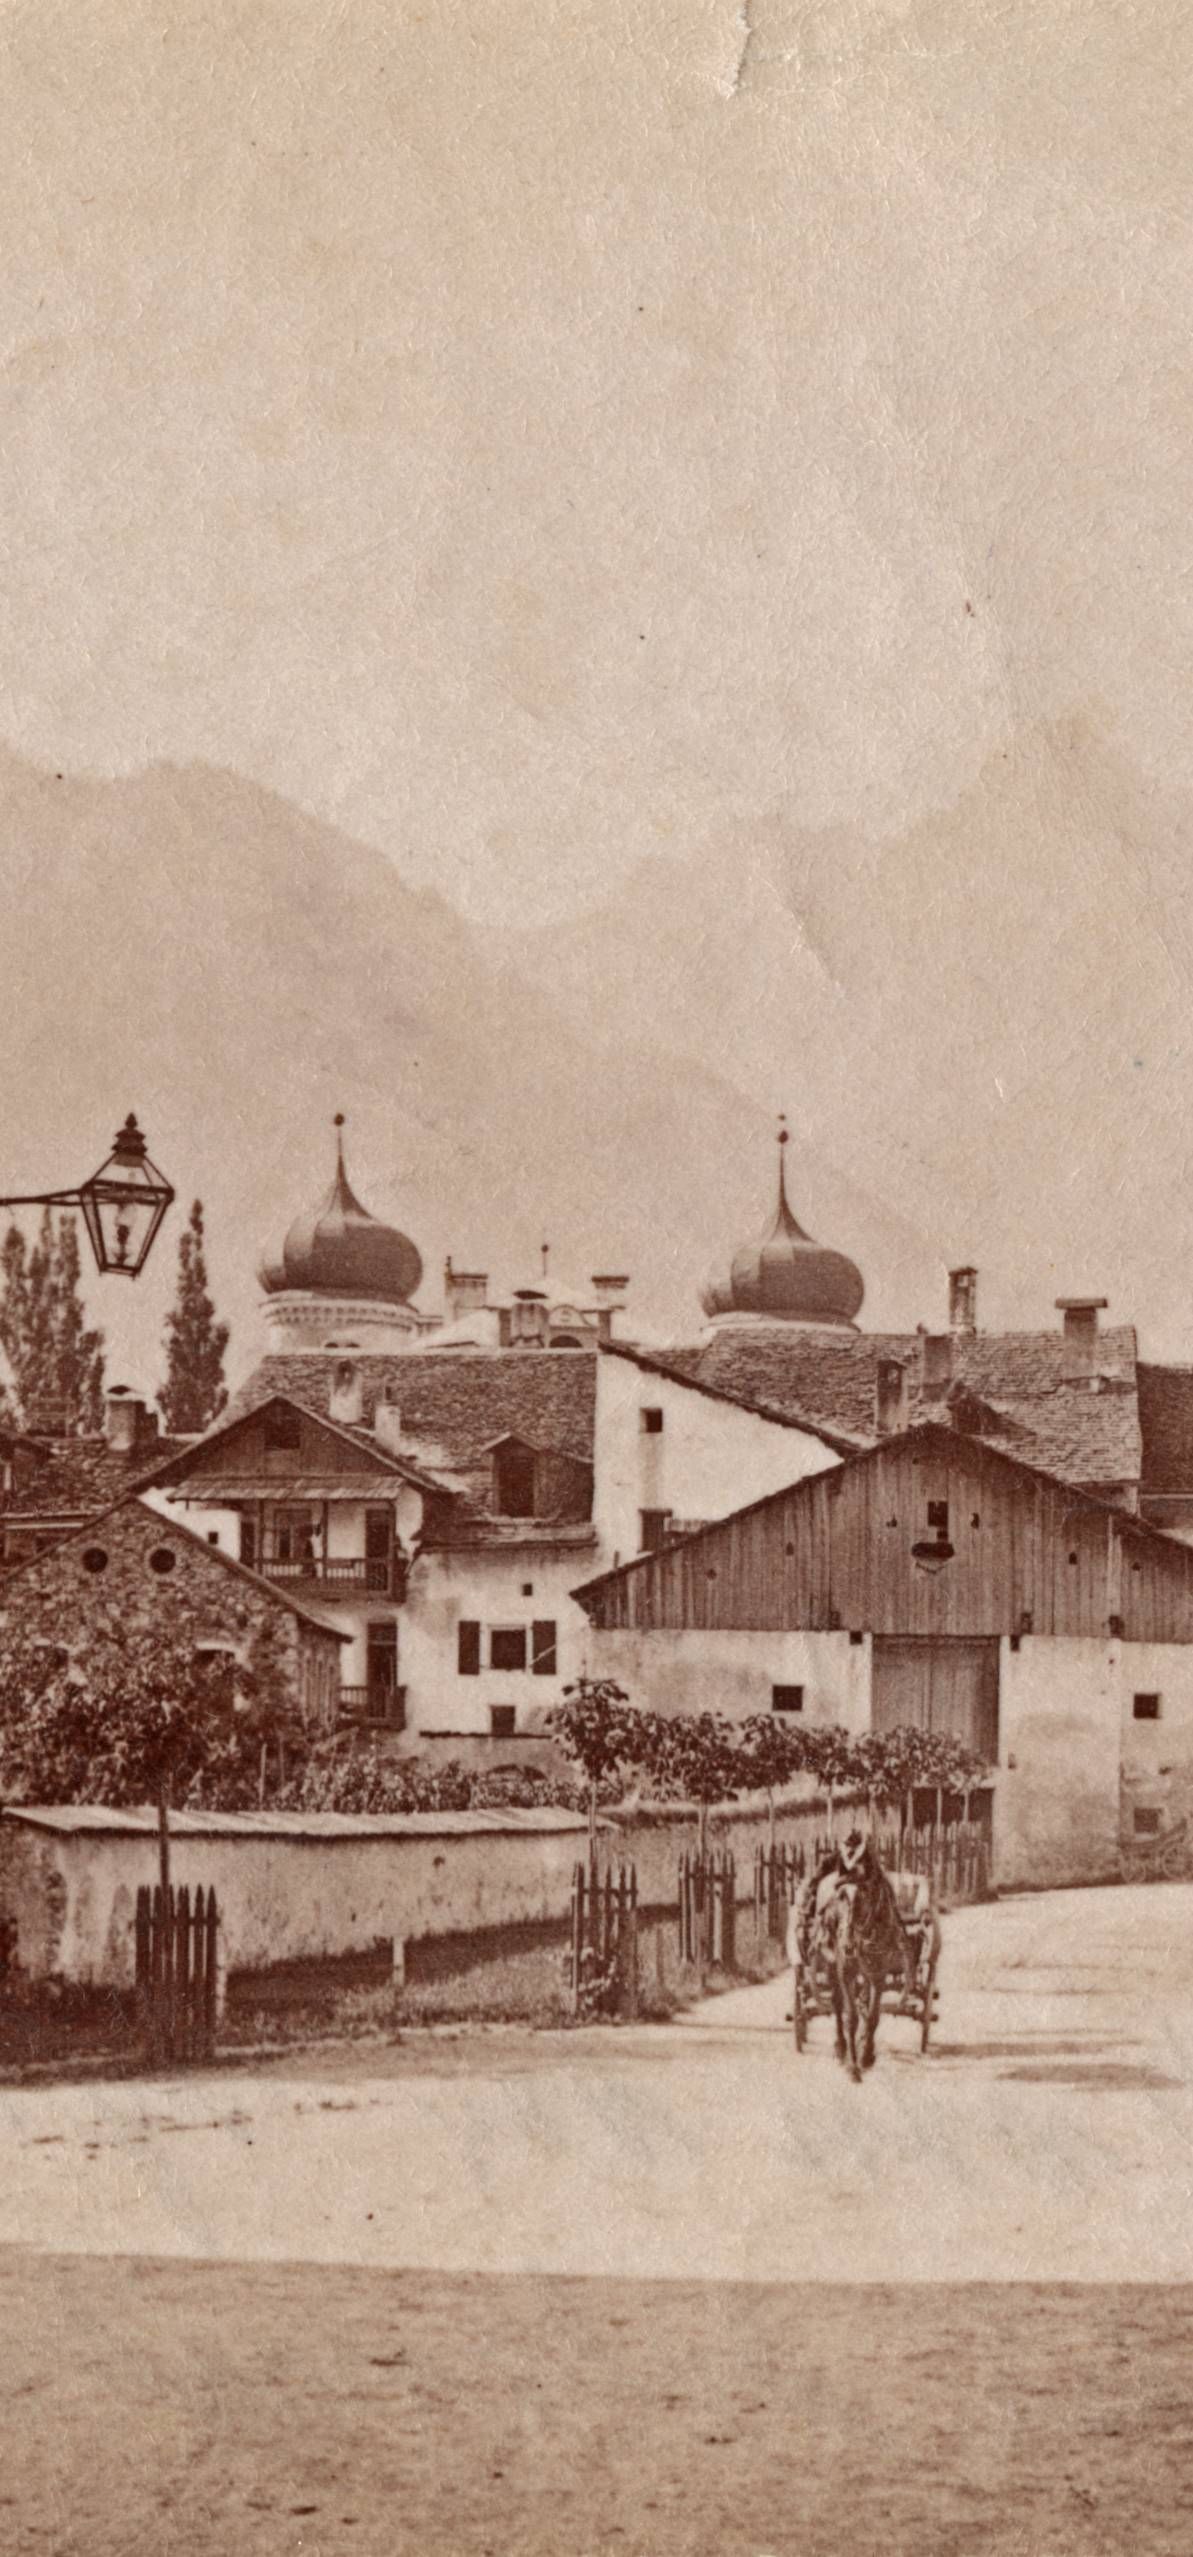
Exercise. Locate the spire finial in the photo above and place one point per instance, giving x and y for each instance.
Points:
(338, 1124)
(545, 1249)
(784, 1141)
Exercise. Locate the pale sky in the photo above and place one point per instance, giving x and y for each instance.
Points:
(542, 436)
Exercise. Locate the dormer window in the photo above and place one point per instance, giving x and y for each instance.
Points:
(513, 1479)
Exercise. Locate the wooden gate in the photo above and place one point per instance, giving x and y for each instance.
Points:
(177, 1971)
(604, 1947)
(708, 1910)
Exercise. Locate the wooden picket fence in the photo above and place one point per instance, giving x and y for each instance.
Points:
(956, 1857)
(708, 1910)
(177, 1971)
(604, 1940)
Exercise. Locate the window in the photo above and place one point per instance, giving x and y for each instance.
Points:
(786, 1700)
(503, 1721)
(294, 1533)
(528, 1589)
(213, 1535)
(94, 1558)
(938, 1515)
(507, 1647)
(468, 1647)
(248, 1540)
(1146, 1708)
(542, 1647)
(283, 1426)
(513, 1480)
(1147, 1824)
(652, 1420)
(654, 1525)
(162, 1559)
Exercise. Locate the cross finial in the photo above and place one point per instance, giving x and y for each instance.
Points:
(545, 1249)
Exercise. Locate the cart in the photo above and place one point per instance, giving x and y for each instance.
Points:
(1161, 1856)
(811, 1988)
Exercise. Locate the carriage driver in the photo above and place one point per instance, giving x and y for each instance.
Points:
(833, 1861)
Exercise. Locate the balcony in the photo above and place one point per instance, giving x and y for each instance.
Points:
(385, 1706)
(358, 1574)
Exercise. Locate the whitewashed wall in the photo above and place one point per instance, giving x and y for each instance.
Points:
(709, 1458)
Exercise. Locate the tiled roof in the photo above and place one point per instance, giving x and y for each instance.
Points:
(73, 1477)
(453, 1404)
(1007, 1387)
(1166, 1420)
(75, 1819)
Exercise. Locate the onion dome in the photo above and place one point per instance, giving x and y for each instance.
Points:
(338, 1249)
(787, 1278)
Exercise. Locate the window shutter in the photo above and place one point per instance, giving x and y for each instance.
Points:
(468, 1655)
(542, 1647)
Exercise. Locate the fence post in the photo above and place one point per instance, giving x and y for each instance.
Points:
(577, 1934)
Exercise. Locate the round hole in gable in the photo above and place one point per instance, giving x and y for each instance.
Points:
(94, 1558)
(163, 1558)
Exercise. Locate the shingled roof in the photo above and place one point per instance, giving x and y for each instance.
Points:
(69, 1478)
(454, 1403)
(1007, 1387)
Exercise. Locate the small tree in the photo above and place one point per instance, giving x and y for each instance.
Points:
(771, 1753)
(194, 1393)
(602, 1733)
(697, 1758)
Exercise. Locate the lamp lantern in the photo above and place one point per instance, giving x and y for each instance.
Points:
(123, 1204)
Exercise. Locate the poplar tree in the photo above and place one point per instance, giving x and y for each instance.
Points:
(194, 1393)
(54, 1359)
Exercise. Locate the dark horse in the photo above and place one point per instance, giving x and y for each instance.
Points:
(861, 1939)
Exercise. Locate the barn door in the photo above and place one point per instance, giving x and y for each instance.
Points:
(941, 1683)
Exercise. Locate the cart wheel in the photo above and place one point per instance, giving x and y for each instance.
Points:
(799, 2014)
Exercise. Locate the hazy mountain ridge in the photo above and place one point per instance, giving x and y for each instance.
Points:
(185, 943)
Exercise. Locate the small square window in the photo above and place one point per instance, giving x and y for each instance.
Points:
(1146, 1708)
(1147, 1824)
(507, 1647)
(503, 1721)
(786, 1700)
(653, 1528)
(652, 1420)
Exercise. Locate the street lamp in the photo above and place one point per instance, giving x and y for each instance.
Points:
(123, 1204)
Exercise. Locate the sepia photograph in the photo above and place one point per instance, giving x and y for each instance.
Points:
(596, 1278)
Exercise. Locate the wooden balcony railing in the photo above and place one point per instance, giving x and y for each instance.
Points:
(376, 1704)
(332, 1571)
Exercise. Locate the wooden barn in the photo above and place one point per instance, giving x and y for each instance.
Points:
(934, 1580)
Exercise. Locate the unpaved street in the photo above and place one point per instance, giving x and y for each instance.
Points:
(315, 2328)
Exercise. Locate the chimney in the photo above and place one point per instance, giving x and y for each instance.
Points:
(609, 1289)
(963, 1300)
(129, 1425)
(529, 1318)
(936, 1365)
(387, 1426)
(604, 1325)
(505, 1322)
(890, 1397)
(346, 1400)
(1080, 1335)
(464, 1291)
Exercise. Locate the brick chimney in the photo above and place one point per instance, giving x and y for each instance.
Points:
(1080, 1335)
(936, 1365)
(346, 1400)
(129, 1424)
(890, 1397)
(464, 1291)
(387, 1425)
(963, 1300)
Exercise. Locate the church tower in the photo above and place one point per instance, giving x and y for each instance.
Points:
(341, 1278)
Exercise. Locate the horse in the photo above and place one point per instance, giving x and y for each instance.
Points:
(860, 1937)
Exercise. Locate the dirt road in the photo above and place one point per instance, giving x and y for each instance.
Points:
(669, 2290)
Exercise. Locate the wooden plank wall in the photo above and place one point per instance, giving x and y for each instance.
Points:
(836, 1551)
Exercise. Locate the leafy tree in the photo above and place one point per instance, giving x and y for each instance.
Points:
(129, 1716)
(696, 1758)
(194, 1393)
(54, 1359)
(603, 1734)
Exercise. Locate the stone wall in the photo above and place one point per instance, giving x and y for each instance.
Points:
(113, 1570)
